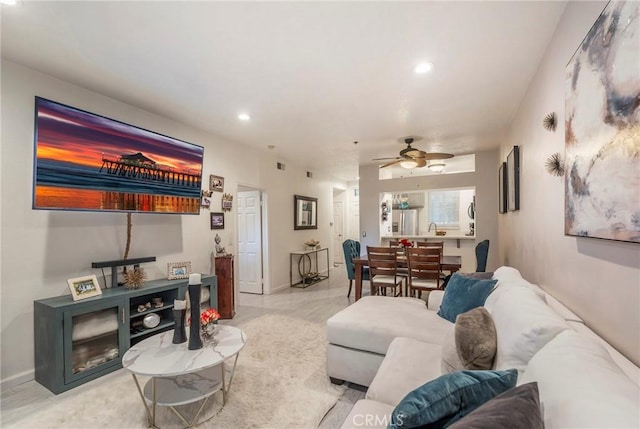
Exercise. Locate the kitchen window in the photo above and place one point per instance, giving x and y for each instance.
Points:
(444, 208)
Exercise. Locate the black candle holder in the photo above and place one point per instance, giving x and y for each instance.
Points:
(179, 331)
(195, 342)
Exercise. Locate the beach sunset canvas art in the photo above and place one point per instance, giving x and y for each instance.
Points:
(84, 161)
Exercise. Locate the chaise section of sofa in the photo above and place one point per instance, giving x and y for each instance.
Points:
(359, 335)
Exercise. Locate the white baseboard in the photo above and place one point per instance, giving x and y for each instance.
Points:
(18, 379)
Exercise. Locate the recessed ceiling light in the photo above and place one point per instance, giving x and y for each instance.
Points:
(423, 68)
(244, 116)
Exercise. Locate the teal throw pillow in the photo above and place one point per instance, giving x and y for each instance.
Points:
(463, 294)
(450, 397)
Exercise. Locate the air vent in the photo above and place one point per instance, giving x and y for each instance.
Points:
(281, 166)
(309, 174)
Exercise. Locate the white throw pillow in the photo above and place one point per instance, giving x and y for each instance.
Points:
(524, 324)
(580, 386)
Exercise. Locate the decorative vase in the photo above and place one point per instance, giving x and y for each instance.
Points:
(195, 342)
(208, 331)
(179, 331)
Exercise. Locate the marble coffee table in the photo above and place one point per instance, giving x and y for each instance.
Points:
(180, 376)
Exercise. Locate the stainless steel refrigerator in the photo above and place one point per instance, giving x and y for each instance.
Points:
(404, 222)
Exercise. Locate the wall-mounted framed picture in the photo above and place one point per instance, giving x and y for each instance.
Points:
(216, 183)
(217, 220)
(513, 179)
(178, 270)
(84, 287)
(305, 212)
(502, 188)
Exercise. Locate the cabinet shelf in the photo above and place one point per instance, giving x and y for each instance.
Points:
(133, 311)
(163, 324)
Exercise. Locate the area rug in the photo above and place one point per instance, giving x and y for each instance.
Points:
(280, 382)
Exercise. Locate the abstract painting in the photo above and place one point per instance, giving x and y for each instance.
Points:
(602, 128)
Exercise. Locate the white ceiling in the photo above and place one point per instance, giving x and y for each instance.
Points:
(315, 76)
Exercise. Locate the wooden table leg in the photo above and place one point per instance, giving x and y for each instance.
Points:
(358, 269)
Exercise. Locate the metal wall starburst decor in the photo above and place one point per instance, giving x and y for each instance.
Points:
(549, 122)
(555, 165)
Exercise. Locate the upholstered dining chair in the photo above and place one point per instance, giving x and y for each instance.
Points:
(482, 252)
(351, 250)
(424, 269)
(383, 270)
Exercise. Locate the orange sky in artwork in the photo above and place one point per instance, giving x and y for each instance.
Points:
(83, 156)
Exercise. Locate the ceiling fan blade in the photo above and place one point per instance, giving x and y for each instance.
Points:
(437, 155)
(388, 164)
(385, 159)
(421, 162)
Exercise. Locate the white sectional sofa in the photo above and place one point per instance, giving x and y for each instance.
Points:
(394, 345)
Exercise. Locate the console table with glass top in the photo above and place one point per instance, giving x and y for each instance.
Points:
(305, 265)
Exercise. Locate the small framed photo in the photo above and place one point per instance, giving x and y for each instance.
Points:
(84, 287)
(178, 270)
(216, 183)
(205, 202)
(217, 220)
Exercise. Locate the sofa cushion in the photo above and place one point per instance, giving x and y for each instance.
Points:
(581, 386)
(368, 414)
(516, 408)
(463, 294)
(450, 397)
(524, 324)
(450, 361)
(408, 365)
(507, 278)
(475, 336)
(473, 343)
(372, 322)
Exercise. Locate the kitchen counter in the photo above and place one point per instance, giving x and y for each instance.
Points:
(449, 236)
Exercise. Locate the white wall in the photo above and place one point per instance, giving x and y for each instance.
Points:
(597, 279)
(40, 250)
(484, 179)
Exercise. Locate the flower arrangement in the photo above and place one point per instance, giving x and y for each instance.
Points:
(210, 315)
(405, 243)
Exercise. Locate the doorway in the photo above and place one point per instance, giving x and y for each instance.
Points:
(338, 226)
(250, 249)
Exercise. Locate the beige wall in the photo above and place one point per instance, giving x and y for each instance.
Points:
(597, 279)
(41, 249)
(485, 180)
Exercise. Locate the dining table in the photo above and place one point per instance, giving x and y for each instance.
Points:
(451, 263)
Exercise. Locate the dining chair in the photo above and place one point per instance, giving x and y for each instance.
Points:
(438, 244)
(383, 270)
(424, 269)
(482, 252)
(351, 250)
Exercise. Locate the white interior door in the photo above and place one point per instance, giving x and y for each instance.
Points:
(338, 232)
(249, 242)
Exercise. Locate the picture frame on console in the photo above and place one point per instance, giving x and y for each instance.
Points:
(84, 287)
(178, 270)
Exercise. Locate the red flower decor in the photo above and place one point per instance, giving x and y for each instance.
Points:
(405, 243)
(208, 316)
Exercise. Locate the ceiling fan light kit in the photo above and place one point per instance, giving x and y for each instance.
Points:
(408, 164)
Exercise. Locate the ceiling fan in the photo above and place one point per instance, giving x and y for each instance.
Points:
(411, 157)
